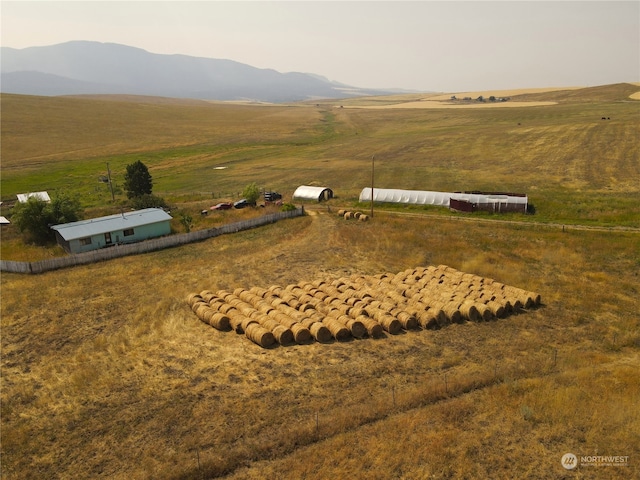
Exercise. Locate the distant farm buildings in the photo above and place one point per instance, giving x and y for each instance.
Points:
(129, 227)
(318, 194)
(496, 202)
(24, 197)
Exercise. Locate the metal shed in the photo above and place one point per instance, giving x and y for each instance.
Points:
(306, 192)
(24, 197)
(129, 227)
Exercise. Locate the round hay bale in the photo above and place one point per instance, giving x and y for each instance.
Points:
(348, 215)
(220, 321)
(238, 291)
(408, 321)
(275, 289)
(193, 298)
(452, 313)
(341, 212)
(374, 329)
(227, 308)
(389, 323)
(301, 334)
(339, 331)
(259, 335)
(235, 320)
(283, 335)
(198, 304)
(498, 310)
(321, 333)
(485, 312)
(470, 312)
(356, 327)
(246, 321)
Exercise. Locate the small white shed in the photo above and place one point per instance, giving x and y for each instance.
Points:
(318, 194)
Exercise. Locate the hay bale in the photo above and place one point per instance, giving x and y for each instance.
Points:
(301, 334)
(356, 327)
(220, 321)
(321, 333)
(453, 314)
(348, 215)
(408, 321)
(283, 335)
(374, 329)
(497, 309)
(485, 312)
(470, 311)
(339, 331)
(341, 212)
(193, 298)
(259, 335)
(389, 324)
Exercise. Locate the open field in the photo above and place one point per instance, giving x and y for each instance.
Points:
(107, 372)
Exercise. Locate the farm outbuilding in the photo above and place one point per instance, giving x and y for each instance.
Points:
(129, 227)
(24, 197)
(318, 194)
(462, 201)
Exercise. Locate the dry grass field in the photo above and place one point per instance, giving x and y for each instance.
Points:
(108, 373)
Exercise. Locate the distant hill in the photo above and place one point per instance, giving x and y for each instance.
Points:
(81, 67)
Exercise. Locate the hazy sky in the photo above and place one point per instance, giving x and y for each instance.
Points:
(448, 46)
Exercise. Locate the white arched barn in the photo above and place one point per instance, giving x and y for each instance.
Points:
(318, 194)
(463, 201)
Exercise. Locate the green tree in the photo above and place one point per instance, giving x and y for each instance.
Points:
(187, 221)
(148, 201)
(251, 193)
(35, 217)
(137, 180)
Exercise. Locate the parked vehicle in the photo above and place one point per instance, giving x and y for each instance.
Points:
(242, 203)
(222, 206)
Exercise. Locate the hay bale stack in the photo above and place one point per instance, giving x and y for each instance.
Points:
(259, 335)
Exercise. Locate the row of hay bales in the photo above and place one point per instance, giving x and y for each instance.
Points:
(348, 215)
(359, 306)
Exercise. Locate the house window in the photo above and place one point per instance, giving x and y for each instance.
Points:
(85, 241)
(128, 232)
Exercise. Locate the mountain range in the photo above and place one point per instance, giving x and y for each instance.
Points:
(82, 67)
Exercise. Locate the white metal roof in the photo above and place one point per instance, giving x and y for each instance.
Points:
(23, 197)
(4, 220)
(111, 223)
(311, 193)
(419, 197)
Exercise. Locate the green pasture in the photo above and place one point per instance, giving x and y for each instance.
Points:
(575, 167)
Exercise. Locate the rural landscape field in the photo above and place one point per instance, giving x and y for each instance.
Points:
(107, 372)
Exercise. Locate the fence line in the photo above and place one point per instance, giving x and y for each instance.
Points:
(143, 247)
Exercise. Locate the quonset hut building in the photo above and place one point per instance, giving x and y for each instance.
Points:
(496, 202)
(318, 194)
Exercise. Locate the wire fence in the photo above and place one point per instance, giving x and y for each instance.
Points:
(143, 247)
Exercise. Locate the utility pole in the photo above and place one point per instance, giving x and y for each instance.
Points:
(110, 184)
(372, 162)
